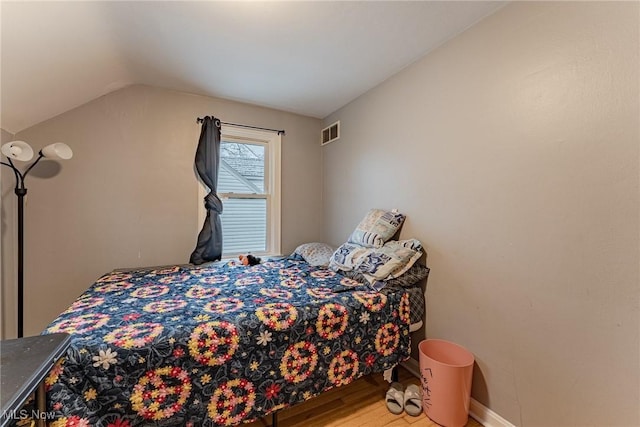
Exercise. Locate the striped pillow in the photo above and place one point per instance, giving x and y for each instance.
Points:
(377, 227)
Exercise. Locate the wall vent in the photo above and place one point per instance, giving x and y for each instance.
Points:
(330, 133)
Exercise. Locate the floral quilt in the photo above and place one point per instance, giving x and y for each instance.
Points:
(219, 344)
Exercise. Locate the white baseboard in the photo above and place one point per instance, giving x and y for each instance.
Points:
(486, 416)
(477, 410)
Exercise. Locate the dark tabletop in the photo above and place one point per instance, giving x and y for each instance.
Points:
(24, 363)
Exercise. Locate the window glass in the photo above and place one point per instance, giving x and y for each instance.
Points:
(242, 168)
(244, 225)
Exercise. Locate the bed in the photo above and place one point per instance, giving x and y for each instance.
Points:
(219, 344)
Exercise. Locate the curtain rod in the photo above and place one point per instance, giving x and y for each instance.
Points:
(280, 132)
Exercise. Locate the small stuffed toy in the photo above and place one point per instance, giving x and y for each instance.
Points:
(249, 260)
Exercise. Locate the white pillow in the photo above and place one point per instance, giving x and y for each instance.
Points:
(316, 254)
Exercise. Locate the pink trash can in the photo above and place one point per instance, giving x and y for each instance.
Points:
(446, 371)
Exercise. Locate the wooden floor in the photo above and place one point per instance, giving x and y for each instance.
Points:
(361, 403)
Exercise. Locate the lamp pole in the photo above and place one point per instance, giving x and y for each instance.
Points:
(20, 192)
(20, 150)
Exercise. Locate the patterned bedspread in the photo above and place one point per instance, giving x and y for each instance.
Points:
(218, 344)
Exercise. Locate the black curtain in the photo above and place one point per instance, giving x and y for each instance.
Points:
(209, 247)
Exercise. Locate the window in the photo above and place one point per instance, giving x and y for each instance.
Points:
(249, 187)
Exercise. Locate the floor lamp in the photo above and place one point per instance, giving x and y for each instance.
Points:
(21, 151)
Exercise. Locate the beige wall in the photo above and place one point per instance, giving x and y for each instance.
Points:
(129, 195)
(7, 237)
(514, 151)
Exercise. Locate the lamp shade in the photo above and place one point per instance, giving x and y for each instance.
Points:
(58, 150)
(17, 150)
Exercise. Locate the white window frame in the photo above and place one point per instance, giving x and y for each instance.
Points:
(272, 142)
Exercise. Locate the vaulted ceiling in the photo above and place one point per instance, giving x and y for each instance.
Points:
(309, 57)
